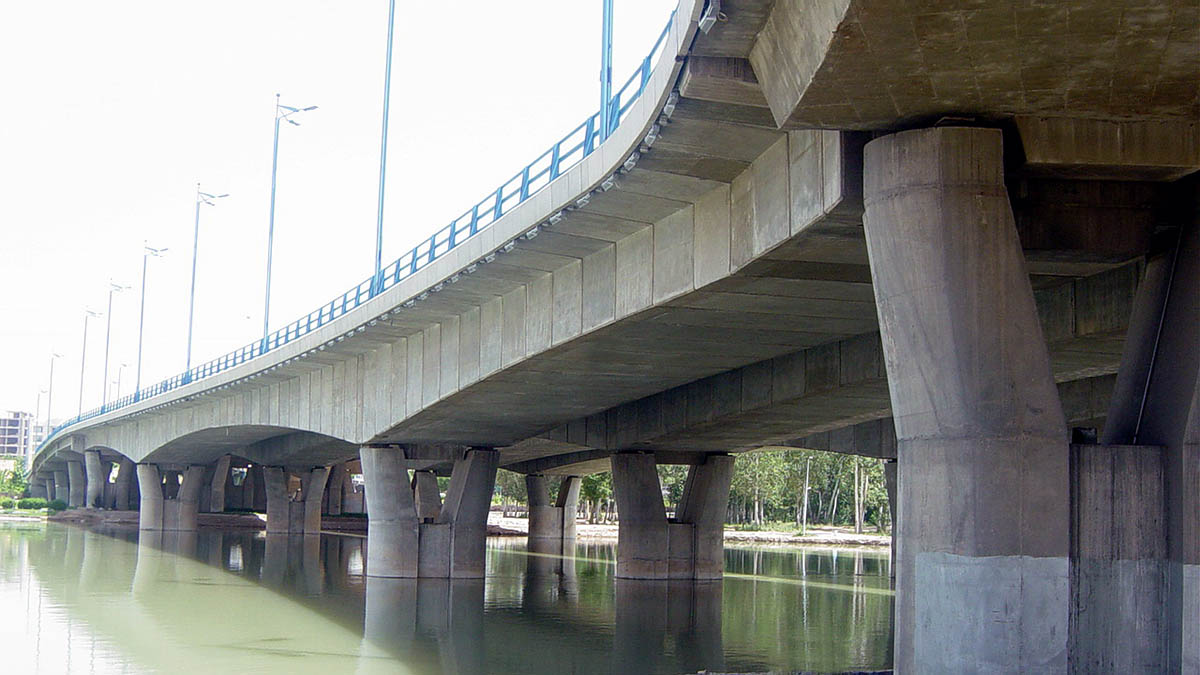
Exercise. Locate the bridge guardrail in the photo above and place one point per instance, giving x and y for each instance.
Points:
(535, 176)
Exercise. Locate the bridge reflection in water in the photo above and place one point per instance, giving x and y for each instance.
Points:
(241, 601)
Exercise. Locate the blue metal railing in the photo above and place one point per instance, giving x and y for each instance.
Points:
(579, 143)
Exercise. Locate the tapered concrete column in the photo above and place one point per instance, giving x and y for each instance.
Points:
(287, 513)
(278, 499)
(393, 537)
(399, 544)
(1156, 401)
(150, 486)
(216, 499)
(256, 489)
(426, 495)
(95, 479)
(77, 481)
(172, 514)
(889, 481)
(982, 570)
(703, 507)
(62, 486)
(691, 546)
(552, 522)
(125, 476)
(333, 491)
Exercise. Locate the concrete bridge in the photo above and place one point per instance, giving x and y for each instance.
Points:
(944, 233)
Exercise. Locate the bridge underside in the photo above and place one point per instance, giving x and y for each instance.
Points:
(991, 243)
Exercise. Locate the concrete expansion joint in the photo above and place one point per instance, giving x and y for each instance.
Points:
(980, 188)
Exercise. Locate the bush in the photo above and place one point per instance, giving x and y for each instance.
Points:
(7, 502)
(57, 505)
(31, 503)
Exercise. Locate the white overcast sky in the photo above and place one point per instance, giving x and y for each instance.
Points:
(112, 110)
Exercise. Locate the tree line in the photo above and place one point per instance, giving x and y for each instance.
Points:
(768, 488)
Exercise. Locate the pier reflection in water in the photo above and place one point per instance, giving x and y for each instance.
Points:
(242, 601)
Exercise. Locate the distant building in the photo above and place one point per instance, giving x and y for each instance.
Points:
(20, 435)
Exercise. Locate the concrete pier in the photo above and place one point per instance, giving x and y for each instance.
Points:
(158, 510)
(552, 526)
(689, 546)
(426, 496)
(338, 476)
(1156, 401)
(216, 487)
(983, 501)
(123, 498)
(403, 545)
(295, 512)
(96, 479)
(76, 484)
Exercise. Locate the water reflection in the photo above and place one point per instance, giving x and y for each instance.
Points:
(243, 601)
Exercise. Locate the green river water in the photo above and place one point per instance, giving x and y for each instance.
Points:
(79, 601)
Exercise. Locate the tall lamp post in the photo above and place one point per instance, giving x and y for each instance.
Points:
(120, 369)
(377, 279)
(113, 287)
(147, 253)
(282, 113)
(50, 390)
(87, 315)
(201, 198)
(606, 37)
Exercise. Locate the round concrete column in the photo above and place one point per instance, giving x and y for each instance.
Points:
(982, 570)
(95, 479)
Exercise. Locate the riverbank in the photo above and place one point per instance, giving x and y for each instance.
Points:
(29, 516)
(817, 535)
(498, 526)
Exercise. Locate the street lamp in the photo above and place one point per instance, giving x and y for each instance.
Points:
(606, 37)
(120, 369)
(201, 198)
(377, 279)
(282, 113)
(87, 315)
(147, 252)
(50, 390)
(113, 287)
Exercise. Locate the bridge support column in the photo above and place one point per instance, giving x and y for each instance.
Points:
(426, 496)
(96, 479)
(287, 512)
(77, 484)
(158, 512)
(552, 527)
(982, 567)
(216, 495)
(123, 500)
(333, 489)
(890, 478)
(691, 545)
(1156, 402)
(62, 486)
(399, 544)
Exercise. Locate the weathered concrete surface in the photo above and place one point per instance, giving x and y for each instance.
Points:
(1118, 560)
(216, 486)
(62, 488)
(552, 526)
(450, 545)
(169, 502)
(77, 484)
(689, 546)
(124, 498)
(989, 60)
(1157, 401)
(96, 479)
(983, 504)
